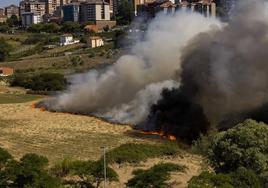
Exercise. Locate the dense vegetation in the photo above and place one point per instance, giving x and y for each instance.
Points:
(155, 177)
(5, 49)
(40, 82)
(239, 157)
(33, 170)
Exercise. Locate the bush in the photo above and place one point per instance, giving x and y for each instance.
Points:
(29, 171)
(89, 172)
(134, 153)
(40, 82)
(210, 180)
(241, 178)
(245, 145)
(154, 177)
(5, 49)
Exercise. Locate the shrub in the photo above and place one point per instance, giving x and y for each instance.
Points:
(4, 157)
(245, 145)
(154, 177)
(243, 178)
(40, 82)
(211, 180)
(89, 172)
(5, 49)
(134, 153)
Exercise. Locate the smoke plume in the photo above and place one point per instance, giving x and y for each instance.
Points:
(125, 91)
(225, 72)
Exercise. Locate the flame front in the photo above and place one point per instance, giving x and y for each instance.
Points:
(161, 134)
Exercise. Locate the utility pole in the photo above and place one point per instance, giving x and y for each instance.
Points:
(104, 165)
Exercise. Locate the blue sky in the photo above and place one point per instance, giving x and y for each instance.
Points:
(4, 3)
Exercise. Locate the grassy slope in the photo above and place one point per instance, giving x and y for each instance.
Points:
(6, 98)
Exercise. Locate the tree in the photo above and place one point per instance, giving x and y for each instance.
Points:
(241, 178)
(156, 177)
(5, 49)
(13, 21)
(211, 180)
(35, 28)
(245, 145)
(51, 28)
(31, 172)
(93, 173)
(71, 27)
(125, 12)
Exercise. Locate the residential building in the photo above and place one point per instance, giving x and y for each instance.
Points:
(2, 12)
(94, 10)
(64, 2)
(29, 18)
(93, 42)
(6, 71)
(34, 6)
(12, 10)
(51, 6)
(67, 40)
(71, 12)
(3, 18)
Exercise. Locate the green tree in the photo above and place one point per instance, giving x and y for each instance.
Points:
(51, 28)
(211, 180)
(243, 178)
(156, 177)
(35, 28)
(93, 173)
(5, 49)
(125, 12)
(13, 21)
(31, 172)
(71, 27)
(4, 157)
(245, 145)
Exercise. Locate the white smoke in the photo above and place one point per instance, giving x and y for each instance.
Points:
(125, 91)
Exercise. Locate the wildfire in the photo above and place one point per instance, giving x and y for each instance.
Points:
(161, 134)
(42, 109)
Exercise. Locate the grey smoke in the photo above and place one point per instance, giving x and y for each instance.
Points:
(125, 91)
(226, 70)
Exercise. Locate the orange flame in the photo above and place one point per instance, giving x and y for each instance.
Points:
(161, 134)
(42, 109)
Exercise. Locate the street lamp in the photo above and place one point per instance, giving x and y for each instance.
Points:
(104, 164)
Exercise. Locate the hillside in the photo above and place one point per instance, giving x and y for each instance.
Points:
(25, 129)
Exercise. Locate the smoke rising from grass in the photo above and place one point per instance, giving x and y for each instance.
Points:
(226, 71)
(125, 91)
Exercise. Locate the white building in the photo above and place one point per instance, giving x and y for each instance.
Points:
(67, 40)
(94, 42)
(29, 18)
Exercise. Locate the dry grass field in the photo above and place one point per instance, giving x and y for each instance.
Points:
(25, 129)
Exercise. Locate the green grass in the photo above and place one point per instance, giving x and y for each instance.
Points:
(17, 98)
(134, 153)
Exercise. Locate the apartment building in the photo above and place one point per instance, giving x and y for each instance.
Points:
(94, 10)
(33, 6)
(51, 6)
(12, 10)
(71, 12)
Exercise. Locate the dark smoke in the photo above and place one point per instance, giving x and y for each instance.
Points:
(224, 72)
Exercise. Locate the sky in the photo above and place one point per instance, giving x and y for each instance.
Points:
(4, 3)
